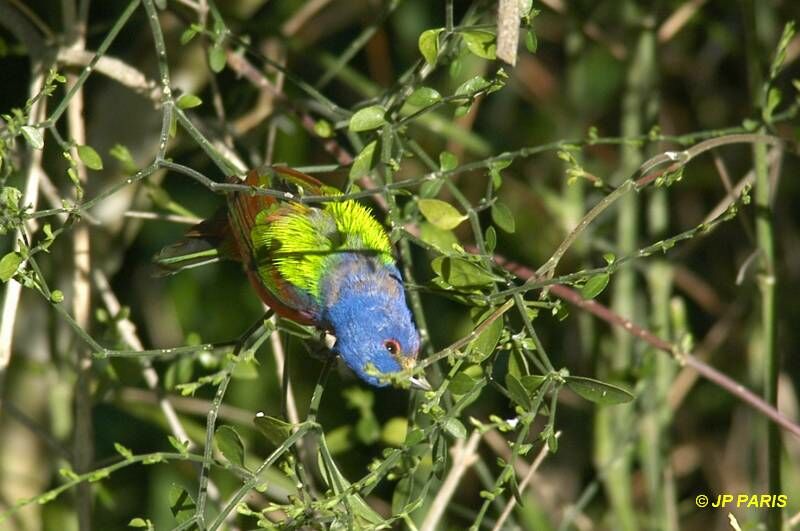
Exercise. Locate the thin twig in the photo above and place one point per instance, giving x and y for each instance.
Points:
(464, 455)
(30, 197)
(540, 457)
(83, 438)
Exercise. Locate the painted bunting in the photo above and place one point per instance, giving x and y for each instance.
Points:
(328, 265)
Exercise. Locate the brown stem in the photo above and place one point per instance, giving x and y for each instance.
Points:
(706, 371)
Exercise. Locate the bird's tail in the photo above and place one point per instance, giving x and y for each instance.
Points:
(207, 242)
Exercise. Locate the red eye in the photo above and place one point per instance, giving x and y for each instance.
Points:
(392, 346)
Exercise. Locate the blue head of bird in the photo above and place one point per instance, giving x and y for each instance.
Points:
(366, 309)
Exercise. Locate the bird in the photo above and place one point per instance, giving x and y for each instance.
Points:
(327, 264)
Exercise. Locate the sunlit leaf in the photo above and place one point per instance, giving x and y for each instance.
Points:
(429, 44)
(440, 213)
(181, 504)
(9, 265)
(423, 97)
(187, 101)
(33, 135)
(90, 157)
(363, 161)
(481, 43)
(367, 119)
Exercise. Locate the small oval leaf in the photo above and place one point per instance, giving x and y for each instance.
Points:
(462, 383)
(461, 273)
(423, 97)
(363, 161)
(454, 427)
(594, 286)
(230, 444)
(484, 345)
(216, 58)
(429, 44)
(481, 43)
(188, 101)
(9, 265)
(90, 157)
(518, 391)
(275, 430)
(367, 119)
(503, 218)
(598, 392)
(33, 136)
(442, 214)
(181, 503)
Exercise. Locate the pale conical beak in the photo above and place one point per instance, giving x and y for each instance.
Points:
(419, 382)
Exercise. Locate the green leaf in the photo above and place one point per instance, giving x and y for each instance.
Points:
(490, 239)
(503, 218)
(423, 97)
(10, 198)
(123, 451)
(367, 429)
(472, 86)
(245, 370)
(438, 238)
(481, 43)
(442, 214)
(33, 135)
(216, 58)
(531, 41)
(187, 101)
(90, 157)
(780, 51)
(598, 392)
(429, 44)
(394, 431)
(594, 286)
(230, 444)
(461, 273)
(363, 161)
(188, 34)
(462, 383)
(518, 392)
(773, 100)
(123, 155)
(181, 503)
(454, 427)
(323, 129)
(9, 265)
(181, 446)
(275, 430)
(484, 345)
(447, 161)
(532, 382)
(367, 119)
(138, 522)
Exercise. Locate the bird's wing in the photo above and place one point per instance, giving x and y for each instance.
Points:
(293, 245)
(250, 217)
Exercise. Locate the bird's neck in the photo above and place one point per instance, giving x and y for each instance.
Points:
(358, 280)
